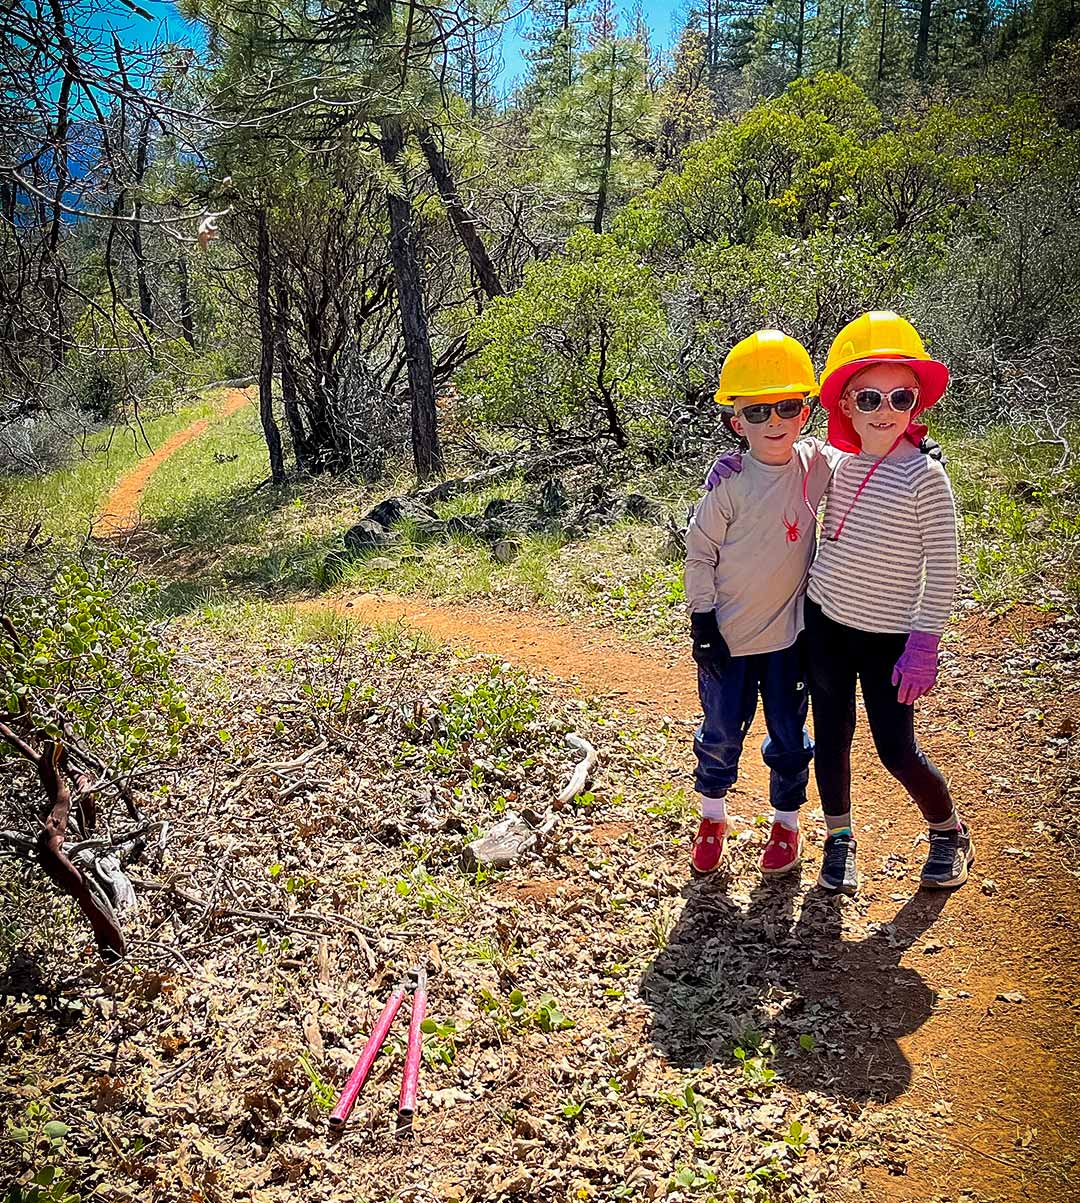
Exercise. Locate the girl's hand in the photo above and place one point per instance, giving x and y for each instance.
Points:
(916, 671)
(728, 464)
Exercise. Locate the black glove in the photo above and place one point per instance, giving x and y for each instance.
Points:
(710, 650)
(933, 449)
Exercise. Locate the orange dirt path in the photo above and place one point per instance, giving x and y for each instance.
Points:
(119, 512)
(602, 665)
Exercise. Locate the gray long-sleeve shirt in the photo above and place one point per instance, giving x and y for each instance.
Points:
(750, 544)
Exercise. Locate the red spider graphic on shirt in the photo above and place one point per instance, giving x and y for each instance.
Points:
(792, 529)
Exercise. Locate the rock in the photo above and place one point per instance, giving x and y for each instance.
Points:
(507, 842)
(391, 511)
(504, 550)
(367, 534)
(429, 530)
(553, 497)
(641, 509)
(464, 524)
(502, 509)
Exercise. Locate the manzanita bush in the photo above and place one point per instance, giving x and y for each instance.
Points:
(88, 700)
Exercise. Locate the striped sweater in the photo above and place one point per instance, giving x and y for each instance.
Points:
(894, 567)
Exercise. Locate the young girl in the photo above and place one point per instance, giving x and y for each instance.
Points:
(881, 587)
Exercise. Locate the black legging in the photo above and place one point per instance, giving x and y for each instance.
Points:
(837, 655)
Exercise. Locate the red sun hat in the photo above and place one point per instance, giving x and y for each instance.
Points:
(877, 337)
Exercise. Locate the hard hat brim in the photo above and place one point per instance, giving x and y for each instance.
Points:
(933, 379)
(725, 398)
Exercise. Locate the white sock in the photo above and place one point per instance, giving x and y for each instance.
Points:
(713, 808)
(789, 818)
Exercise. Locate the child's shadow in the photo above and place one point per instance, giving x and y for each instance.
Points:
(831, 1010)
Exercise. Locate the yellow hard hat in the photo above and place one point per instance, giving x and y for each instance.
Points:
(768, 363)
(875, 336)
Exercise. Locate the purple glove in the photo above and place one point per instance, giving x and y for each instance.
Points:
(916, 670)
(726, 465)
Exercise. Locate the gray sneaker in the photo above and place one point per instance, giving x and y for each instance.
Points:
(838, 870)
(951, 855)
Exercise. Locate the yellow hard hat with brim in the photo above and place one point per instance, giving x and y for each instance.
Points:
(871, 338)
(767, 363)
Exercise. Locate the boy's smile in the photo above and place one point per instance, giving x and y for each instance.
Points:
(770, 441)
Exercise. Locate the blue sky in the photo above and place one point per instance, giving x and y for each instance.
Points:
(168, 25)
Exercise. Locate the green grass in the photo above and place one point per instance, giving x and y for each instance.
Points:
(1021, 529)
(1020, 514)
(65, 501)
(193, 496)
(294, 626)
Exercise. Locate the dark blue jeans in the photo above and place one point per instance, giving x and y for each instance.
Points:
(729, 700)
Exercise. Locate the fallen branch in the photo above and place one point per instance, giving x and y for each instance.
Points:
(278, 918)
(277, 768)
(582, 770)
(514, 836)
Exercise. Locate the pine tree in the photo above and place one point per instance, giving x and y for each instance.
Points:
(474, 53)
(555, 37)
(732, 42)
(603, 23)
(687, 111)
(595, 135)
(781, 43)
(836, 28)
(642, 34)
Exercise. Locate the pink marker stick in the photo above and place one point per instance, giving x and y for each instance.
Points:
(411, 1077)
(363, 1066)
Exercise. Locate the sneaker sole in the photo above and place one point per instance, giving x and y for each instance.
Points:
(787, 868)
(850, 891)
(953, 883)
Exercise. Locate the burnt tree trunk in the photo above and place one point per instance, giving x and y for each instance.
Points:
(266, 358)
(183, 287)
(146, 304)
(464, 224)
(427, 454)
(605, 170)
(922, 40)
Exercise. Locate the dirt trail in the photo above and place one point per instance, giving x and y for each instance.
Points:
(602, 665)
(998, 1075)
(120, 512)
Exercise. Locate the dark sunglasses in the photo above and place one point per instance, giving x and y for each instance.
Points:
(761, 411)
(867, 400)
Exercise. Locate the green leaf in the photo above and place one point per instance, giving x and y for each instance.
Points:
(56, 1129)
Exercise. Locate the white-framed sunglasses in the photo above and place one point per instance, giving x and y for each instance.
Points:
(901, 400)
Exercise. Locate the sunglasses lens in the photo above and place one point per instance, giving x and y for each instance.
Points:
(868, 399)
(755, 414)
(791, 408)
(903, 399)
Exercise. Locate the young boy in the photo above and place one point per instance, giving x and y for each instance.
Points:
(748, 552)
(881, 587)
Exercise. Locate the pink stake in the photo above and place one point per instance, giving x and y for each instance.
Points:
(363, 1066)
(407, 1102)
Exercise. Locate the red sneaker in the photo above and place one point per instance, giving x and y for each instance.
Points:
(708, 847)
(783, 851)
